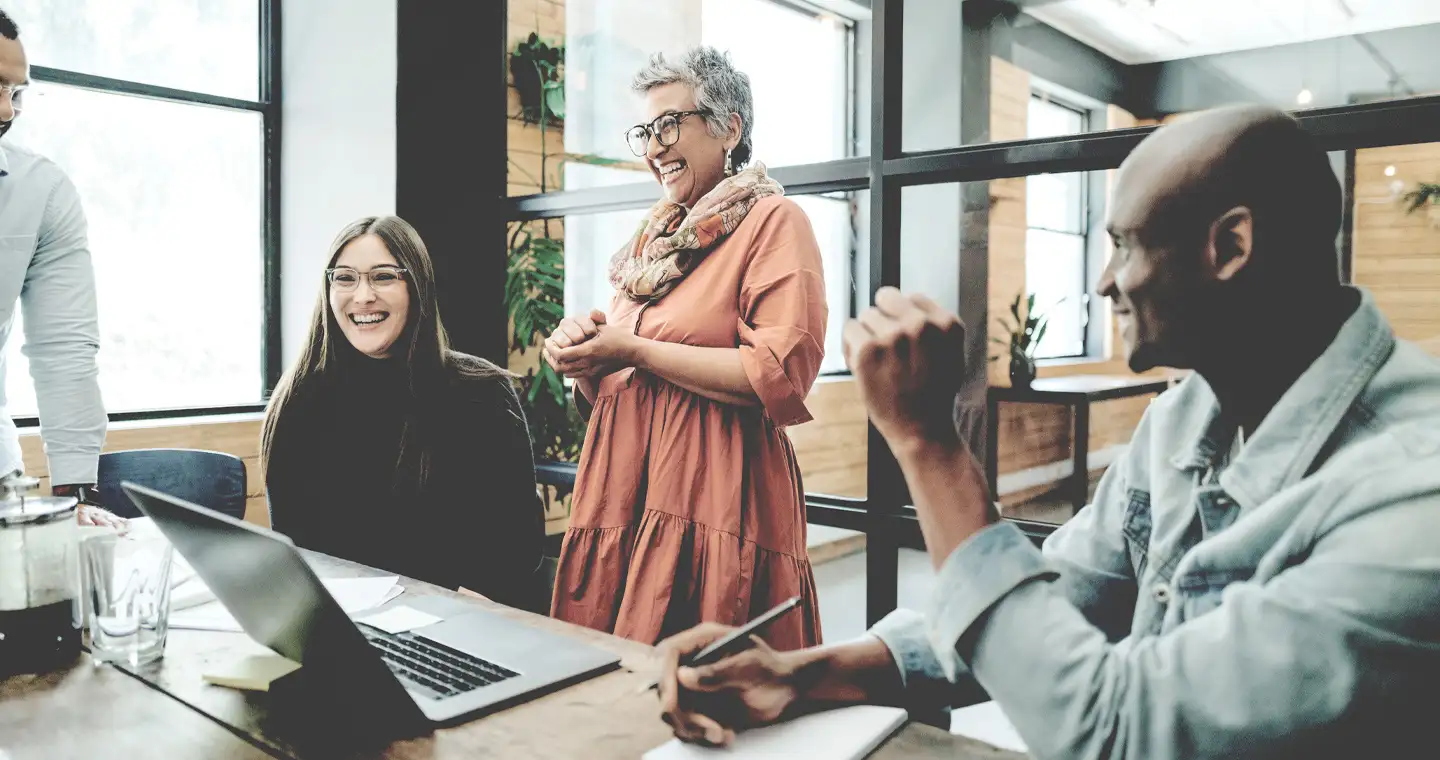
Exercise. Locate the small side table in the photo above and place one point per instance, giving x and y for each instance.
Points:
(1077, 392)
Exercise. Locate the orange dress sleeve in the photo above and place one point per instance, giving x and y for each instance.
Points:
(783, 313)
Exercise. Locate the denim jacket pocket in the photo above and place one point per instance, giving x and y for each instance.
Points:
(1137, 529)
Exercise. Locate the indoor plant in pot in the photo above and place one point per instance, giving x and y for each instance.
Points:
(1023, 337)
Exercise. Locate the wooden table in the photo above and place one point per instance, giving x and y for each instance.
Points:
(1077, 392)
(105, 712)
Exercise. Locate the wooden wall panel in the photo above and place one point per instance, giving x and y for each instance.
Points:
(1396, 255)
(238, 435)
(526, 141)
(832, 447)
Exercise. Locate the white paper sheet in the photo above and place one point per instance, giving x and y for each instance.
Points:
(355, 595)
(988, 723)
(848, 733)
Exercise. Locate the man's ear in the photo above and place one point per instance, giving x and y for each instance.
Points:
(1232, 241)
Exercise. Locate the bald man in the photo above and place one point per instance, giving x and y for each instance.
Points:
(1258, 576)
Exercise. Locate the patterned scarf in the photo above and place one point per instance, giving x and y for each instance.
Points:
(670, 242)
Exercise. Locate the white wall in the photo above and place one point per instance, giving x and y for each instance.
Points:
(338, 138)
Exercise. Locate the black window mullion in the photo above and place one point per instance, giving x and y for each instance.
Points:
(271, 360)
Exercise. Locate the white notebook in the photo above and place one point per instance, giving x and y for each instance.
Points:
(847, 733)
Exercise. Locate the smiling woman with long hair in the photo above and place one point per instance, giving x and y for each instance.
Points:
(383, 446)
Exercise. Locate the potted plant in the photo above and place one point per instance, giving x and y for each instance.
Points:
(1427, 195)
(537, 69)
(1023, 337)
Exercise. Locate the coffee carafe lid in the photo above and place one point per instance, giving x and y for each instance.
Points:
(19, 507)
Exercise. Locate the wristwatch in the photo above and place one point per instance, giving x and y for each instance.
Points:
(85, 493)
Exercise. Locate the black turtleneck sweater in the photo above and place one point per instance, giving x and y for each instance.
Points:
(477, 520)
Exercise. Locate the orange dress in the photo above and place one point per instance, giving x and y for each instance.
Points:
(688, 510)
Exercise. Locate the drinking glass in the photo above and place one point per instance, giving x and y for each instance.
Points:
(127, 586)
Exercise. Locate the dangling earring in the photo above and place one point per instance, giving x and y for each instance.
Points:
(729, 167)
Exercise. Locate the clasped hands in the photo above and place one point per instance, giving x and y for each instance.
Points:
(907, 355)
(588, 348)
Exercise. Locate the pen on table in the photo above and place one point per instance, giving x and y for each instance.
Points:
(736, 641)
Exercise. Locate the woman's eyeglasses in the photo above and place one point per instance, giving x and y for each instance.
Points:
(345, 279)
(665, 128)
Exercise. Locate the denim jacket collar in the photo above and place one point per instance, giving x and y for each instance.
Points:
(1281, 451)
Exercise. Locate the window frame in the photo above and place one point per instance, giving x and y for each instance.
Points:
(1088, 224)
(268, 106)
(883, 514)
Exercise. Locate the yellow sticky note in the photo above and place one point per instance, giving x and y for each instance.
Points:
(250, 672)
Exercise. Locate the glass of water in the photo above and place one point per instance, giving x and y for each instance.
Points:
(127, 587)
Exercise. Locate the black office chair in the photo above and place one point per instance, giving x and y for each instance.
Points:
(208, 478)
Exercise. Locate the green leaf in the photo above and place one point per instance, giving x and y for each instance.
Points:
(555, 100)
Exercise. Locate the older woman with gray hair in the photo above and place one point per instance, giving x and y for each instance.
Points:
(688, 504)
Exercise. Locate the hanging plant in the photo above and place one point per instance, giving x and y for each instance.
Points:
(537, 69)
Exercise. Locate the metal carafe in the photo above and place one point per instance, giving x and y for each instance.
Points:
(39, 578)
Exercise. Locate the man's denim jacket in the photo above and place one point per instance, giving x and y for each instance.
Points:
(1289, 608)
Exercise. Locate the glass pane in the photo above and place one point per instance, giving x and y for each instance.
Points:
(1394, 250)
(1056, 202)
(608, 41)
(1055, 275)
(833, 218)
(174, 195)
(210, 46)
(1050, 119)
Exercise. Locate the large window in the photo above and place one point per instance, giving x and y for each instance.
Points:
(157, 111)
(1056, 234)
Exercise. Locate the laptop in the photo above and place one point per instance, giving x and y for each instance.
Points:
(471, 662)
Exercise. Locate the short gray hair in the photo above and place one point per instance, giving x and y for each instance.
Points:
(720, 90)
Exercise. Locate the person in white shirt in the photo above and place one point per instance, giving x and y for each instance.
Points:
(45, 267)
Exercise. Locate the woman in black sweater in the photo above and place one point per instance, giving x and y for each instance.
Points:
(383, 446)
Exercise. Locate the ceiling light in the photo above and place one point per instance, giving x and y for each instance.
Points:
(1305, 96)
(1390, 171)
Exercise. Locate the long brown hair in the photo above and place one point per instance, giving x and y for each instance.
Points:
(429, 362)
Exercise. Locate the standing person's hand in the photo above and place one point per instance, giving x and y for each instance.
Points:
(708, 704)
(908, 356)
(572, 331)
(605, 350)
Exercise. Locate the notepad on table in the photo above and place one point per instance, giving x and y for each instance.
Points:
(988, 723)
(847, 733)
(251, 667)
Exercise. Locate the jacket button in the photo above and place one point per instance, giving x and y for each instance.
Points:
(1161, 592)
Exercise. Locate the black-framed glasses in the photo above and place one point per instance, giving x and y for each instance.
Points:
(16, 93)
(665, 128)
(346, 279)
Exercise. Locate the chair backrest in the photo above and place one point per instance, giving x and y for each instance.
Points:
(209, 478)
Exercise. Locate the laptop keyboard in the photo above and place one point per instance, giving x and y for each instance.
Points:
(433, 667)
